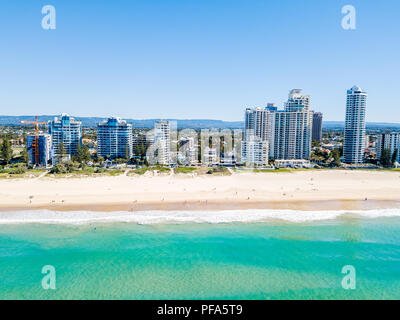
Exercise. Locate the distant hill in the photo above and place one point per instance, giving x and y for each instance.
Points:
(194, 123)
(93, 121)
(339, 125)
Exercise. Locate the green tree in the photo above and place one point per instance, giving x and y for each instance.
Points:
(6, 152)
(315, 143)
(24, 153)
(336, 157)
(271, 162)
(61, 149)
(386, 160)
(127, 155)
(394, 156)
(59, 168)
(86, 153)
(140, 150)
(83, 154)
(24, 156)
(60, 154)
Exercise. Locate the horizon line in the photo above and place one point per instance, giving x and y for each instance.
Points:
(176, 119)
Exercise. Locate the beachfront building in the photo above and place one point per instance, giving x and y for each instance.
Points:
(388, 141)
(68, 132)
(162, 142)
(292, 163)
(254, 152)
(44, 150)
(317, 126)
(292, 128)
(258, 122)
(354, 132)
(188, 151)
(210, 156)
(229, 159)
(287, 132)
(114, 139)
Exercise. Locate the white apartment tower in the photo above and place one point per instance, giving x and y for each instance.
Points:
(354, 132)
(254, 152)
(67, 131)
(388, 141)
(162, 142)
(259, 123)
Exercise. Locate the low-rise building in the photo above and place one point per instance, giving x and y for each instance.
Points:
(293, 163)
(254, 152)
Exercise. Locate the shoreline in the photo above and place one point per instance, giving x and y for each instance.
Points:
(317, 205)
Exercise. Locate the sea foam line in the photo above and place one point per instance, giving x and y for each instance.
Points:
(178, 217)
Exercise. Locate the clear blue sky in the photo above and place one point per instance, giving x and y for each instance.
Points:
(196, 59)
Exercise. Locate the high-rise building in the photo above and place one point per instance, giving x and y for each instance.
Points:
(388, 141)
(317, 126)
(354, 132)
(67, 131)
(288, 131)
(44, 144)
(259, 123)
(162, 142)
(114, 139)
(292, 128)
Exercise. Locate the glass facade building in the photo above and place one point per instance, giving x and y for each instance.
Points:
(68, 131)
(114, 139)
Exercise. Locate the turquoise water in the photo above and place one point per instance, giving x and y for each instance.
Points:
(202, 261)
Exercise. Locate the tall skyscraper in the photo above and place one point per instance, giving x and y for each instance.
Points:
(114, 139)
(259, 123)
(162, 142)
(354, 132)
(292, 128)
(67, 131)
(44, 141)
(388, 141)
(317, 126)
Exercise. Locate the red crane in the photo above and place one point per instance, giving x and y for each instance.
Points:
(35, 144)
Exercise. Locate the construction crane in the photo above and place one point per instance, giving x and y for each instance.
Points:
(35, 144)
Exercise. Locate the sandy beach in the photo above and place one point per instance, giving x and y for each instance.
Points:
(307, 190)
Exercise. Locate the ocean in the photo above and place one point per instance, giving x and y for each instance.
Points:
(253, 254)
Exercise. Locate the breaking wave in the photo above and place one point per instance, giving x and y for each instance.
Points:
(179, 217)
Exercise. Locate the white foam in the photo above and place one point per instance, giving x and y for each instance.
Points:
(177, 217)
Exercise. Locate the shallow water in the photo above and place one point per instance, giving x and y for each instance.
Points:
(254, 260)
